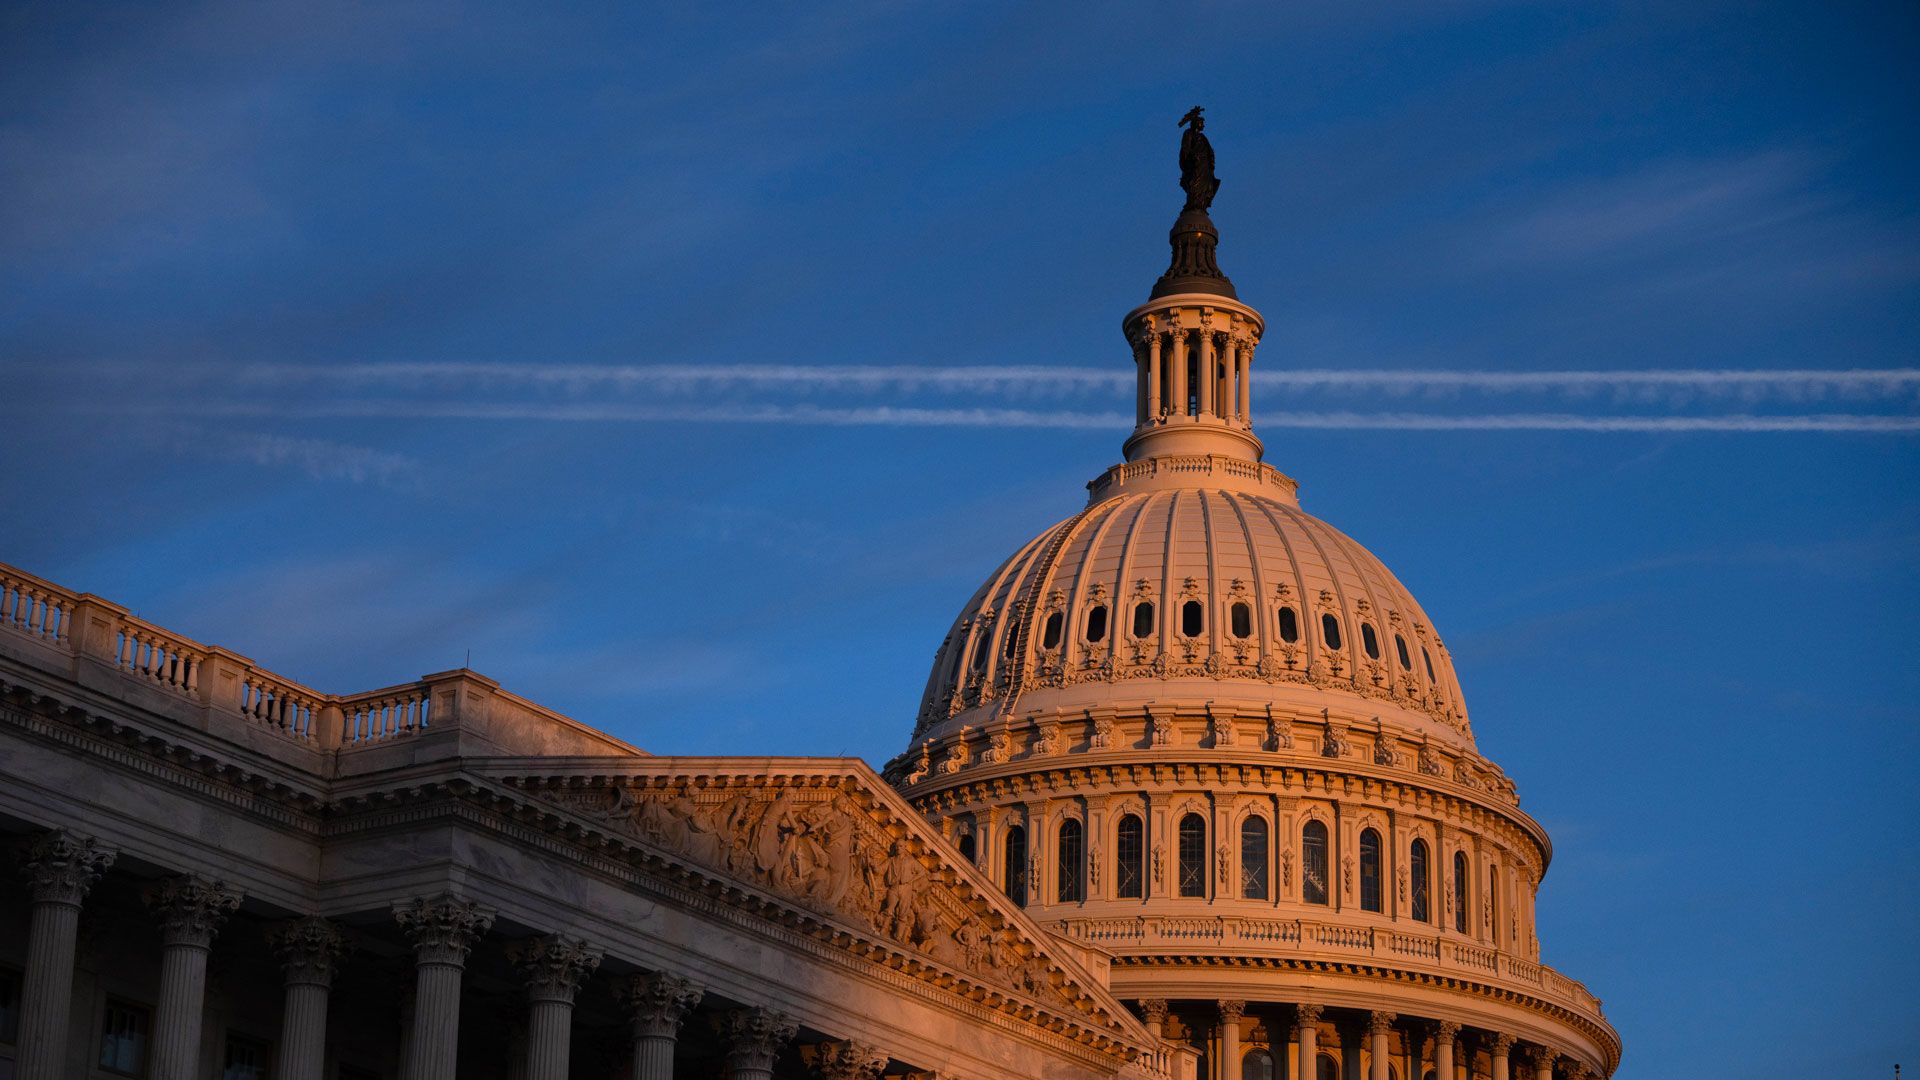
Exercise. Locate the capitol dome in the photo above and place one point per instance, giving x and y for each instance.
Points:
(1214, 742)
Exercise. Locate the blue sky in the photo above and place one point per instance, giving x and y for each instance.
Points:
(640, 352)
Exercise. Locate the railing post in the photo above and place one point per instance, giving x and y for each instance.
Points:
(222, 680)
(329, 726)
(461, 699)
(94, 630)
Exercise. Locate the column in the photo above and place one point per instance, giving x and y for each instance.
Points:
(844, 1060)
(1209, 388)
(1444, 1033)
(1501, 1046)
(1153, 374)
(656, 1004)
(1379, 1026)
(308, 950)
(1230, 1013)
(1230, 386)
(1154, 1012)
(554, 967)
(1246, 379)
(191, 910)
(1178, 406)
(443, 929)
(1139, 381)
(1542, 1060)
(1307, 1030)
(61, 867)
(753, 1038)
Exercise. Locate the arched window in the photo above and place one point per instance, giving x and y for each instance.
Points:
(1428, 657)
(1193, 855)
(1129, 847)
(966, 846)
(1460, 891)
(1193, 618)
(1257, 1065)
(1289, 625)
(980, 650)
(1072, 853)
(1369, 870)
(1326, 1068)
(1493, 898)
(1143, 619)
(1367, 641)
(1097, 624)
(1242, 621)
(1417, 870)
(1330, 631)
(1400, 644)
(1313, 862)
(1050, 637)
(1016, 865)
(1253, 858)
(1011, 645)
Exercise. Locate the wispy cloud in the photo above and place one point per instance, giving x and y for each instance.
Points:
(319, 459)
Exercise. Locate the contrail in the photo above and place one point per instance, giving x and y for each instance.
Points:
(895, 416)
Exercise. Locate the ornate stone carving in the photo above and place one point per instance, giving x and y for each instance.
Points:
(998, 750)
(1050, 743)
(1159, 861)
(753, 1037)
(553, 966)
(1279, 732)
(191, 908)
(62, 866)
(1542, 1058)
(844, 1060)
(1501, 1043)
(1162, 731)
(442, 928)
(1231, 1010)
(1306, 1016)
(1346, 877)
(1334, 743)
(1400, 881)
(1222, 729)
(1286, 868)
(1102, 733)
(1221, 857)
(1153, 1010)
(657, 1003)
(1445, 1031)
(308, 949)
(1380, 1022)
(1383, 751)
(1429, 762)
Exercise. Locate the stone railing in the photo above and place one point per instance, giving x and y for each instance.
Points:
(106, 649)
(1221, 935)
(1252, 476)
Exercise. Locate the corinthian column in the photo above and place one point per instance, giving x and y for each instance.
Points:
(844, 1060)
(1154, 1012)
(1230, 1014)
(1501, 1047)
(191, 910)
(1379, 1026)
(554, 968)
(308, 949)
(443, 929)
(60, 867)
(1307, 1030)
(1543, 1060)
(1444, 1033)
(753, 1038)
(657, 1004)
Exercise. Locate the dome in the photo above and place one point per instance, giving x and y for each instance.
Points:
(1185, 598)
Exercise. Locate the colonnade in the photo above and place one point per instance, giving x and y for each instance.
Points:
(442, 930)
(1168, 357)
(1374, 1030)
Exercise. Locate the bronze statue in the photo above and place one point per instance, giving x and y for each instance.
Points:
(1196, 163)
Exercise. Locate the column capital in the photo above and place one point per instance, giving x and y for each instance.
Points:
(1154, 1009)
(1446, 1030)
(844, 1059)
(1501, 1042)
(442, 928)
(754, 1036)
(1307, 1015)
(554, 966)
(1380, 1022)
(1542, 1057)
(308, 949)
(61, 866)
(658, 1003)
(191, 908)
(1232, 1009)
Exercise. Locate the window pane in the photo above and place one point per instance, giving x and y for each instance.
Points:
(1460, 891)
(246, 1060)
(1253, 858)
(1257, 1065)
(1192, 618)
(1016, 865)
(1050, 638)
(1289, 625)
(1368, 640)
(966, 847)
(1143, 619)
(1417, 869)
(1313, 863)
(1131, 846)
(1072, 860)
(1242, 621)
(1400, 644)
(1428, 657)
(1097, 624)
(123, 1038)
(1369, 870)
(1193, 855)
(1330, 631)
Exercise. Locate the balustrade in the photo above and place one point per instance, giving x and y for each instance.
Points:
(33, 609)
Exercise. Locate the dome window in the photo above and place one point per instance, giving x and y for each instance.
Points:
(1313, 862)
(1253, 858)
(1097, 624)
(1400, 644)
(1369, 870)
(1289, 625)
(980, 652)
(1460, 891)
(1193, 618)
(1129, 847)
(1369, 641)
(1143, 619)
(966, 846)
(1242, 617)
(1072, 856)
(1015, 866)
(1193, 855)
(1050, 637)
(1417, 869)
(1428, 657)
(1330, 630)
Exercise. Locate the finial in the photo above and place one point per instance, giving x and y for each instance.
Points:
(1193, 238)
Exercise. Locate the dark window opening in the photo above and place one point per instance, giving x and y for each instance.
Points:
(1242, 618)
(1072, 856)
(1011, 646)
(966, 846)
(1417, 869)
(1369, 870)
(1330, 631)
(1400, 643)
(9, 1007)
(1127, 857)
(1289, 625)
(123, 1038)
(1253, 858)
(1428, 657)
(1143, 619)
(1016, 865)
(1193, 855)
(1313, 863)
(1050, 636)
(1368, 641)
(1257, 1065)
(246, 1059)
(1193, 618)
(1460, 891)
(1097, 624)
(980, 652)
